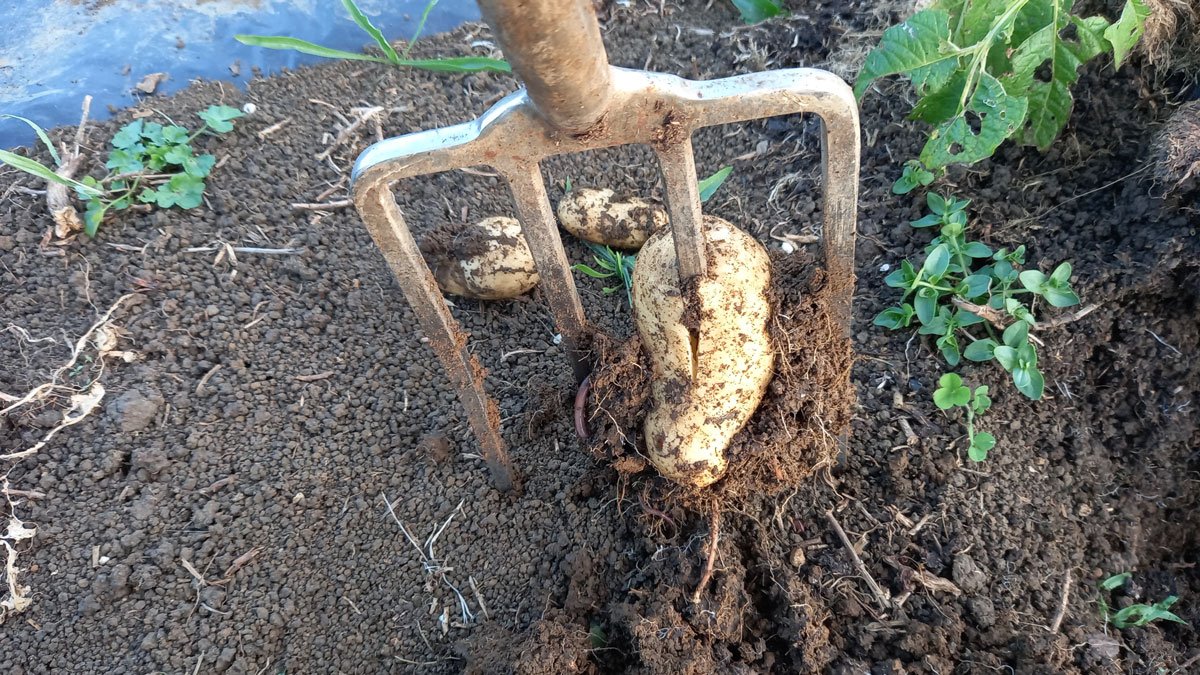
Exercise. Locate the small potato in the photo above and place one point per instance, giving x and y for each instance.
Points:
(489, 260)
(706, 381)
(599, 216)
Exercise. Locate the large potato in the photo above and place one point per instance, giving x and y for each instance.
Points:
(489, 260)
(705, 382)
(599, 216)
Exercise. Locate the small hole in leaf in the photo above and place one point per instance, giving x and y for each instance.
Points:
(1044, 72)
(974, 121)
(1069, 32)
(955, 148)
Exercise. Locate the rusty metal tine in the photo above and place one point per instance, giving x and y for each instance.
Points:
(383, 219)
(682, 194)
(839, 200)
(540, 228)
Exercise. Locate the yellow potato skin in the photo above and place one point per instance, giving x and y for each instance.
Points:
(701, 398)
(491, 261)
(599, 216)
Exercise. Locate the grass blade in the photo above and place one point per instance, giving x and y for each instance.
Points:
(41, 134)
(709, 185)
(32, 167)
(459, 64)
(420, 27)
(304, 47)
(370, 29)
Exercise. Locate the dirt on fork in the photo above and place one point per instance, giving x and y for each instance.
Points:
(287, 404)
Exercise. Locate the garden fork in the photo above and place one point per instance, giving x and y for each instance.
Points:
(573, 101)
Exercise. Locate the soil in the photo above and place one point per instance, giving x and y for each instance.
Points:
(287, 404)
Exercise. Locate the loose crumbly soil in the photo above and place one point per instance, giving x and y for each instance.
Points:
(326, 401)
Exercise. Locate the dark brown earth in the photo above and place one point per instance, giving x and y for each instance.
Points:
(326, 402)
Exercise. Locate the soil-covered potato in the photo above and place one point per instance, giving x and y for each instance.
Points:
(711, 363)
(489, 260)
(602, 217)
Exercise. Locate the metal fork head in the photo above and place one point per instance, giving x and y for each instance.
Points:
(654, 109)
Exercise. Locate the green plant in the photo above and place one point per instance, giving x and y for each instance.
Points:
(964, 290)
(1137, 615)
(915, 175)
(459, 64)
(612, 263)
(710, 185)
(35, 168)
(753, 11)
(149, 163)
(155, 164)
(952, 393)
(988, 70)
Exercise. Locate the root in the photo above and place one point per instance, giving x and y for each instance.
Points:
(714, 535)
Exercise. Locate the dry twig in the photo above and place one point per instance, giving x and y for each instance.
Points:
(882, 599)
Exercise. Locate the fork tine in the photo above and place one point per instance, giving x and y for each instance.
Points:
(541, 234)
(384, 221)
(677, 164)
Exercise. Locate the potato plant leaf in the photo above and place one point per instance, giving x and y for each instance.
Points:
(999, 116)
(754, 11)
(1128, 29)
(919, 47)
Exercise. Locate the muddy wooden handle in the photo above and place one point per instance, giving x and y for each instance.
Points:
(554, 46)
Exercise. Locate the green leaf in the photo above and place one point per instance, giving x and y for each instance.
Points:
(370, 29)
(1006, 356)
(128, 136)
(977, 249)
(34, 168)
(944, 104)
(896, 317)
(1115, 581)
(963, 318)
(1141, 614)
(178, 154)
(902, 277)
(1029, 381)
(93, 216)
(175, 134)
(1126, 32)
(709, 185)
(981, 350)
(153, 132)
(926, 304)
(951, 392)
(1062, 273)
(980, 401)
(200, 166)
(304, 47)
(458, 64)
(41, 133)
(123, 161)
(1033, 280)
(1016, 335)
(754, 11)
(595, 274)
(1060, 297)
(182, 190)
(218, 118)
(928, 221)
(936, 203)
(948, 346)
(935, 265)
(975, 285)
(937, 325)
(999, 116)
(919, 47)
(1050, 102)
(980, 445)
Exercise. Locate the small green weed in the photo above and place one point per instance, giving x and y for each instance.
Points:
(149, 163)
(612, 263)
(964, 290)
(754, 11)
(459, 64)
(1135, 616)
(988, 70)
(951, 393)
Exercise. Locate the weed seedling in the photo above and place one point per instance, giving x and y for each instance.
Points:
(459, 64)
(988, 70)
(963, 293)
(149, 163)
(951, 393)
(612, 263)
(754, 11)
(1135, 616)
